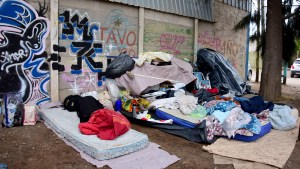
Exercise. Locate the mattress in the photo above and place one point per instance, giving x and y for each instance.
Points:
(264, 130)
(178, 117)
(65, 123)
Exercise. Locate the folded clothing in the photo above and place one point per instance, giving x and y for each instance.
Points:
(106, 124)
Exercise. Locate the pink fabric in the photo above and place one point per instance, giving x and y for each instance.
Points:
(106, 124)
(149, 75)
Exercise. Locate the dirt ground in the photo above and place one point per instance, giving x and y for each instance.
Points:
(31, 147)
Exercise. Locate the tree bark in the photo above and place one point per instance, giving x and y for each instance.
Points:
(270, 86)
(257, 41)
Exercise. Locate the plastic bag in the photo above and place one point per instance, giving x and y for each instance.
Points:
(202, 82)
(113, 89)
(119, 66)
(222, 74)
(30, 115)
(9, 108)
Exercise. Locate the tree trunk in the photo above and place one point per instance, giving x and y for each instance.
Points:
(257, 67)
(257, 42)
(270, 86)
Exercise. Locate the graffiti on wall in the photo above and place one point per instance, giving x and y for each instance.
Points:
(80, 83)
(22, 51)
(170, 38)
(229, 48)
(118, 32)
(83, 44)
(89, 41)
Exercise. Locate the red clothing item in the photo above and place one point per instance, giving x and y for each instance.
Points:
(213, 90)
(106, 124)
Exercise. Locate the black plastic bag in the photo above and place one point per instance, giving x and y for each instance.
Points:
(222, 74)
(118, 66)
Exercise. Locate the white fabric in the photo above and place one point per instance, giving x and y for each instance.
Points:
(187, 103)
(149, 56)
(236, 118)
(104, 99)
(92, 93)
(170, 103)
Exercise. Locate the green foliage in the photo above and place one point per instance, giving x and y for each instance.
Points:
(291, 30)
(250, 18)
(295, 22)
(289, 45)
(297, 45)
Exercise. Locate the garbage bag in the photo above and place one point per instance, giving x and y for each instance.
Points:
(221, 73)
(118, 66)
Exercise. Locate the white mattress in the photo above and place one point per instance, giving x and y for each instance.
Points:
(65, 123)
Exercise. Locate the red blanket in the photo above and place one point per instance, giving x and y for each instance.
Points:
(106, 124)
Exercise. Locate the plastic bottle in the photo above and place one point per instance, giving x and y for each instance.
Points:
(134, 107)
(118, 105)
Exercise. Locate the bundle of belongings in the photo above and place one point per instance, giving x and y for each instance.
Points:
(95, 119)
(161, 91)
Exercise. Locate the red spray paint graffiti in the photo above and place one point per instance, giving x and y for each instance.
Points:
(171, 42)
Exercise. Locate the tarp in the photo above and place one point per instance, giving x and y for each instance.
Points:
(222, 74)
(197, 134)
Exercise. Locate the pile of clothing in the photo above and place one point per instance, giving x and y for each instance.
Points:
(161, 91)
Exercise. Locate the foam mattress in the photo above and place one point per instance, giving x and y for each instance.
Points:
(178, 117)
(65, 123)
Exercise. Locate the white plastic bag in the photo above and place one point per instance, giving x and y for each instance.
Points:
(113, 89)
(30, 115)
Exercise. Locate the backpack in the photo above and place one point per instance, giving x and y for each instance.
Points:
(86, 107)
(71, 102)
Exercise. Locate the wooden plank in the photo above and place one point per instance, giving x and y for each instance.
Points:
(54, 87)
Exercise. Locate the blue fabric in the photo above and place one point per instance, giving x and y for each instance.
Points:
(225, 106)
(210, 110)
(256, 104)
(281, 118)
(221, 116)
(240, 99)
(253, 126)
(3, 166)
(222, 106)
(176, 120)
(264, 130)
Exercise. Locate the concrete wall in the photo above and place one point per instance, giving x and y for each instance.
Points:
(89, 32)
(169, 33)
(221, 37)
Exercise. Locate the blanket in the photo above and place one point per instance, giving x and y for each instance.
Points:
(106, 124)
(273, 149)
(150, 75)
